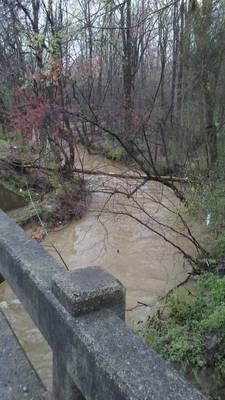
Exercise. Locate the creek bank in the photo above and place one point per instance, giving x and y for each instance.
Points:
(188, 331)
(113, 151)
(54, 198)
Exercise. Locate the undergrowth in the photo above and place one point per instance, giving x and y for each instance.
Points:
(206, 203)
(192, 337)
(110, 151)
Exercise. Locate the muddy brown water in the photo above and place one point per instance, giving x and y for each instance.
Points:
(10, 200)
(146, 265)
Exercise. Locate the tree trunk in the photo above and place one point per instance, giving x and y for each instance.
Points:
(211, 131)
(127, 67)
(175, 60)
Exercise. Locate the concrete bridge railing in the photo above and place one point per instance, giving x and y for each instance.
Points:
(81, 315)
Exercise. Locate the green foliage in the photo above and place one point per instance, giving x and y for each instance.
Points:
(19, 220)
(116, 154)
(39, 207)
(14, 183)
(192, 338)
(19, 186)
(180, 305)
(4, 149)
(220, 245)
(8, 138)
(2, 133)
(206, 198)
(26, 194)
(110, 151)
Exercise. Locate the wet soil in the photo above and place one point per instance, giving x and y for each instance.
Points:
(28, 194)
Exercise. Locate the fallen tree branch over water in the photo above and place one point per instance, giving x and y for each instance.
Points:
(129, 185)
(153, 178)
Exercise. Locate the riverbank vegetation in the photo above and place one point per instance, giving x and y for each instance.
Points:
(142, 83)
(191, 335)
(188, 329)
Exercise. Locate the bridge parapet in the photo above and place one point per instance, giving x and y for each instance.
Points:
(81, 315)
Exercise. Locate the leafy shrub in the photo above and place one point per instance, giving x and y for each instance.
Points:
(117, 154)
(108, 148)
(179, 304)
(192, 338)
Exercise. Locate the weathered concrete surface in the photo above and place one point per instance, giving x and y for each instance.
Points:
(63, 386)
(91, 289)
(81, 292)
(96, 351)
(18, 379)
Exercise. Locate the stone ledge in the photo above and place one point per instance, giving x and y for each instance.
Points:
(90, 289)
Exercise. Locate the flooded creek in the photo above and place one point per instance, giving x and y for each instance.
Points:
(146, 265)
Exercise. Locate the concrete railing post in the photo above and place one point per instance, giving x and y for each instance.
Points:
(82, 291)
(63, 386)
